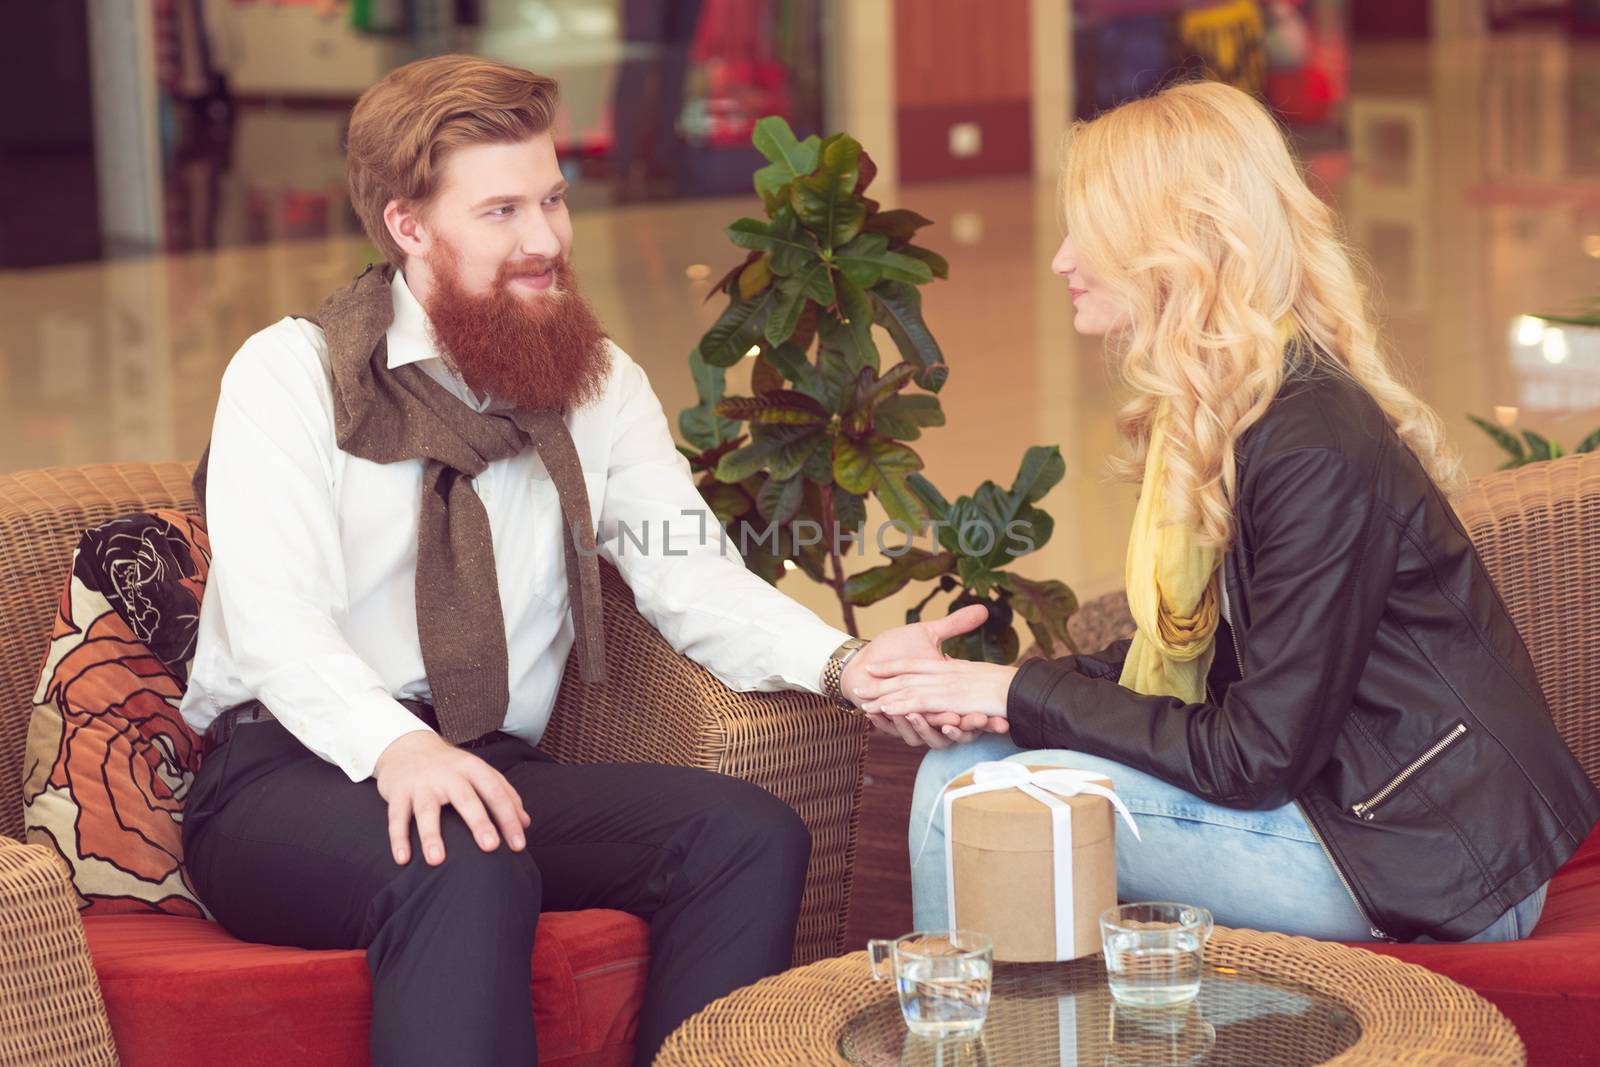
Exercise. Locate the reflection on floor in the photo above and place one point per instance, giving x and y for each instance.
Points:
(1470, 179)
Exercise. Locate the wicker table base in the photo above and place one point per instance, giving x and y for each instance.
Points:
(1405, 1014)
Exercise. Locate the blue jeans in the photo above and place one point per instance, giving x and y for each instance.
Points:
(1263, 870)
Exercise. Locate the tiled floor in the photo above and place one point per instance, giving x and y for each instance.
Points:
(1469, 178)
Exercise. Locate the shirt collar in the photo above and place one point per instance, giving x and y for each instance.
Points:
(410, 340)
(410, 336)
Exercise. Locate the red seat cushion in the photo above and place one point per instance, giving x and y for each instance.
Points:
(181, 990)
(1548, 984)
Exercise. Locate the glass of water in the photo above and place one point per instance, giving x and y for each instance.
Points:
(943, 978)
(1154, 951)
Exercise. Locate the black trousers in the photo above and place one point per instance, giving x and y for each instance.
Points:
(284, 849)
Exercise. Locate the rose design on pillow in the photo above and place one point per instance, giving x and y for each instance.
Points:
(151, 569)
(111, 758)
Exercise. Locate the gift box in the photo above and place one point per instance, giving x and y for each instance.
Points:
(1031, 858)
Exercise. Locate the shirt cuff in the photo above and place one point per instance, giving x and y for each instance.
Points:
(809, 652)
(376, 722)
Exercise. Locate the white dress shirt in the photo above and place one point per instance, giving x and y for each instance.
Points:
(310, 606)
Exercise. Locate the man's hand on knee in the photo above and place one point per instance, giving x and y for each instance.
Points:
(421, 773)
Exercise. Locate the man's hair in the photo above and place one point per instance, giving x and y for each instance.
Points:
(405, 127)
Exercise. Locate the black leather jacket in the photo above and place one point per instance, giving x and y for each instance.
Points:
(1372, 675)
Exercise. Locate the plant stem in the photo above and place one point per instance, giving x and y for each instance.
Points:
(845, 607)
(937, 589)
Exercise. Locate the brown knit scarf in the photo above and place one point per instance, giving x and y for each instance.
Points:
(388, 416)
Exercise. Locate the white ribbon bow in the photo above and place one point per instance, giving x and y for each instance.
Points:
(1047, 787)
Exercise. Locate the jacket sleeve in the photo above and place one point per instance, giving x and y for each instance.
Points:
(1107, 663)
(1324, 559)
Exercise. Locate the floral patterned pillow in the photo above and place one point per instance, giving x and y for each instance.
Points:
(109, 758)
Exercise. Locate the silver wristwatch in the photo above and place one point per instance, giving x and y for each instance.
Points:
(834, 671)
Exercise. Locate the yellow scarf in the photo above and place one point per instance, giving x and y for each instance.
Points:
(1172, 591)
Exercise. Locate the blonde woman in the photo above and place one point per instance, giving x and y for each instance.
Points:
(1326, 723)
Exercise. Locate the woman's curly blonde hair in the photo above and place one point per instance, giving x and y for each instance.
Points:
(1190, 209)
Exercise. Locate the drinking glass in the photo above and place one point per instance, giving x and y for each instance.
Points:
(1154, 951)
(943, 978)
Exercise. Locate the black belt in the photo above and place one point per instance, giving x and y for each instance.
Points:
(223, 726)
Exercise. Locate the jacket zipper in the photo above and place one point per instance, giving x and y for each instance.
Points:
(1361, 909)
(1372, 927)
(1368, 807)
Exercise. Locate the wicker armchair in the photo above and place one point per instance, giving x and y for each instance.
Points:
(662, 709)
(1538, 530)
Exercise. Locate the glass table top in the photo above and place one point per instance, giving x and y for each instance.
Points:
(1062, 1015)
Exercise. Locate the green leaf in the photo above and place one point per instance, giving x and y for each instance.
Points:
(789, 247)
(741, 463)
(855, 317)
(792, 448)
(993, 642)
(1045, 606)
(903, 416)
(826, 202)
(1504, 439)
(1015, 527)
(819, 469)
(1042, 468)
(703, 429)
(1029, 531)
(899, 310)
(1579, 317)
(867, 261)
(812, 558)
(709, 382)
(813, 282)
(727, 502)
(936, 263)
(932, 500)
(836, 374)
(737, 331)
(1539, 448)
(788, 158)
(879, 466)
(1590, 443)
(975, 574)
(995, 509)
(779, 500)
(891, 382)
(876, 583)
(700, 425)
(849, 510)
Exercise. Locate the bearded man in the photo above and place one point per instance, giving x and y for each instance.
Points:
(402, 497)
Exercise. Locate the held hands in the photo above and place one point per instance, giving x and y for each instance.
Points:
(942, 713)
(420, 773)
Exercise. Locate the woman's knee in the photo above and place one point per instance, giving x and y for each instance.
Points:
(942, 765)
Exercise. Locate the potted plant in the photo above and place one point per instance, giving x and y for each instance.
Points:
(788, 470)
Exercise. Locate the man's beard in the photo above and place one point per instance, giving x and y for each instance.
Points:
(544, 353)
